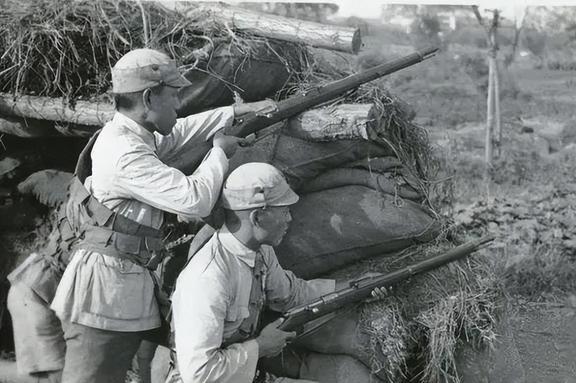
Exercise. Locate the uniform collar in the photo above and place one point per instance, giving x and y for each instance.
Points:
(235, 247)
(125, 121)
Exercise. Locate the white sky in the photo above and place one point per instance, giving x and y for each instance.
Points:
(371, 8)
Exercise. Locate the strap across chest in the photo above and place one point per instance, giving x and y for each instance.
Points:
(250, 325)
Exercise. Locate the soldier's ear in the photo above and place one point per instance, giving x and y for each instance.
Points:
(256, 216)
(146, 99)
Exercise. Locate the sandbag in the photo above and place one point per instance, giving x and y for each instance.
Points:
(386, 165)
(254, 76)
(339, 226)
(376, 164)
(301, 160)
(390, 182)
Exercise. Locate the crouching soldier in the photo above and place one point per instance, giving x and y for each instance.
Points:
(220, 294)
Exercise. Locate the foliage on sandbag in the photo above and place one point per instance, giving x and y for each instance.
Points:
(393, 128)
(416, 331)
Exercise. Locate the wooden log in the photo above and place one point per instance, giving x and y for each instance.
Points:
(333, 63)
(282, 28)
(344, 121)
(56, 109)
(26, 128)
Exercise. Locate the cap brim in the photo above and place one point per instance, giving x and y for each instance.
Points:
(179, 82)
(289, 198)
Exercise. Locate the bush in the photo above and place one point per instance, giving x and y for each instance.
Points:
(469, 35)
(564, 65)
(535, 43)
(476, 67)
(425, 30)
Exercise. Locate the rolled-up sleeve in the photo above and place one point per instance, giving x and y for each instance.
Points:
(143, 176)
(199, 308)
(284, 290)
(191, 131)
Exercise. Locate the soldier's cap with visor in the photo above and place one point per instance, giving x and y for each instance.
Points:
(256, 185)
(141, 69)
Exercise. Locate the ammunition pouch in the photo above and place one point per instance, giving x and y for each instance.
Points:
(102, 230)
(60, 242)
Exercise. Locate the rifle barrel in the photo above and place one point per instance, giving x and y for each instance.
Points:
(360, 290)
(294, 105)
(319, 95)
(427, 264)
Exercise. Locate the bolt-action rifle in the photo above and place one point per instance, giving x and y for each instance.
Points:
(252, 122)
(361, 289)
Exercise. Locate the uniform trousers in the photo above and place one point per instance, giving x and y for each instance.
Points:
(98, 356)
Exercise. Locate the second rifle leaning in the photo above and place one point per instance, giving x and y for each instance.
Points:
(361, 289)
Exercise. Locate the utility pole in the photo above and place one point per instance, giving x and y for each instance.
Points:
(493, 124)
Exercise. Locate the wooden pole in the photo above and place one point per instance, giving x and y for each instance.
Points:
(498, 125)
(277, 27)
(518, 26)
(31, 128)
(26, 128)
(497, 133)
(56, 109)
(488, 152)
(493, 125)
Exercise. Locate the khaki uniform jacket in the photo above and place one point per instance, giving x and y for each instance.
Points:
(130, 176)
(211, 301)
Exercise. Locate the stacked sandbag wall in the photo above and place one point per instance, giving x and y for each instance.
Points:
(357, 200)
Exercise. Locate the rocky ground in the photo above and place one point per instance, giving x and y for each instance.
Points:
(529, 204)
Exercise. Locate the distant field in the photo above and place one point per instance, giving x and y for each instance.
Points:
(446, 91)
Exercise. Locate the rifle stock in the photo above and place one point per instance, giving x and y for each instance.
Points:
(361, 289)
(252, 122)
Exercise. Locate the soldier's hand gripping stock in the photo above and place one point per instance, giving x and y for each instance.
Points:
(229, 144)
(272, 340)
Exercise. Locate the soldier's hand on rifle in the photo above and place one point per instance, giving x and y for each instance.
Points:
(271, 340)
(379, 292)
(375, 295)
(261, 108)
(227, 143)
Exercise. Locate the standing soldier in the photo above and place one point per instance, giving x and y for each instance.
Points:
(106, 298)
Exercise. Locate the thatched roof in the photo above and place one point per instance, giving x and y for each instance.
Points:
(65, 48)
